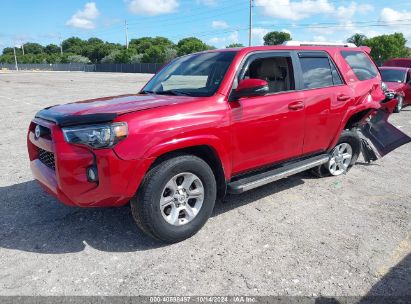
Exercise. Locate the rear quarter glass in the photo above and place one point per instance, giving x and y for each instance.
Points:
(361, 64)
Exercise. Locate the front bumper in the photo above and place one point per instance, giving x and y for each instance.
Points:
(63, 173)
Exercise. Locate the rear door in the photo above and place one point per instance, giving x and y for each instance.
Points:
(325, 96)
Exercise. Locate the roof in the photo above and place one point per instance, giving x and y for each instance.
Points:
(294, 48)
(393, 68)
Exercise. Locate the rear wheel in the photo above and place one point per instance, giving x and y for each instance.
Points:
(400, 103)
(175, 199)
(342, 157)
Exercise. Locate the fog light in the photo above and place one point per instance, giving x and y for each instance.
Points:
(92, 175)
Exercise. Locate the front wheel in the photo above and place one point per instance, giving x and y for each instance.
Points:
(175, 199)
(342, 157)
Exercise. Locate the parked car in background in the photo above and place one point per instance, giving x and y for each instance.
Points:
(398, 62)
(398, 80)
(209, 123)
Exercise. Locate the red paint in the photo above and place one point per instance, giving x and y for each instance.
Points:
(244, 134)
(401, 88)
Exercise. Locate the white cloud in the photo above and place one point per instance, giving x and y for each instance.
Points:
(294, 10)
(152, 7)
(365, 8)
(233, 37)
(257, 34)
(297, 10)
(219, 24)
(84, 19)
(389, 15)
(320, 38)
(397, 21)
(223, 41)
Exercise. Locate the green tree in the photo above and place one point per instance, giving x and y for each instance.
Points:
(275, 38)
(111, 58)
(33, 48)
(8, 51)
(387, 46)
(52, 49)
(357, 39)
(190, 45)
(154, 55)
(234, 45)
(137, 58)
(74, 45)
(170, 54)
(78, 59)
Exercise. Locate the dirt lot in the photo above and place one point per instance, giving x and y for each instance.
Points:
(347, 235)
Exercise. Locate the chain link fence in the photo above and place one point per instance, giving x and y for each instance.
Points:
(150, 68)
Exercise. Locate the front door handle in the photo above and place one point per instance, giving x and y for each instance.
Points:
(295, 106)
(343, 97)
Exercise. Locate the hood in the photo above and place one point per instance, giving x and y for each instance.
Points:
(395, 86)
(107, 108)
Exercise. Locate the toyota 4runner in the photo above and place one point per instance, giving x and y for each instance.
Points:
(214, 122)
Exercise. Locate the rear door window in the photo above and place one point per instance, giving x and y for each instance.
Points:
(318, 71)
(361, 64)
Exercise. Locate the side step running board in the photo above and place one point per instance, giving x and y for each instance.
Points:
(266, 177)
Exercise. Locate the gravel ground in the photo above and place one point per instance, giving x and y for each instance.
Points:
(347, 235)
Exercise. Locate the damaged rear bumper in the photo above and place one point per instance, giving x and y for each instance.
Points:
(379, 137)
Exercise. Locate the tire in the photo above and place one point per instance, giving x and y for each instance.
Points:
(184, 209)
(399, 105)
(349, 143)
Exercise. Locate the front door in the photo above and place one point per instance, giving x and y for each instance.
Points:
(268, 129)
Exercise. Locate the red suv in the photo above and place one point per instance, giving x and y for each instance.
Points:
(209, 123)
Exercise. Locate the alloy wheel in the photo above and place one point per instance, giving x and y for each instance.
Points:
(182, 198)
(340, 160)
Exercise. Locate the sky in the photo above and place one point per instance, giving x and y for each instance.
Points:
(217, 22)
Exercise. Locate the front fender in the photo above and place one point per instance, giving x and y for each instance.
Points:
(211, 141)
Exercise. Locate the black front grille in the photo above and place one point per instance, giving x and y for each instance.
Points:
(47, 158)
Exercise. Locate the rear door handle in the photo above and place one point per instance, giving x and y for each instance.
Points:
(343, 97)
(295, 106)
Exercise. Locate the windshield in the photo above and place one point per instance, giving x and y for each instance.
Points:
(392, 75)
(194, 75)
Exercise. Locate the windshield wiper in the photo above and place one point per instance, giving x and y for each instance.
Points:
(147, 92)
(174, 92)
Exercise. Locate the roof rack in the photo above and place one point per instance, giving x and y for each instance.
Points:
(319, 43)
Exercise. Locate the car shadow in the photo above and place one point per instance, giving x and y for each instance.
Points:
(33, 221)
(393, 288)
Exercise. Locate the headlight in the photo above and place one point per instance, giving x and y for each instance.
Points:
(97, 136)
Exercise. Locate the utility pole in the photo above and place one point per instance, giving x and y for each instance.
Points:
(126, 32)
(251, 23)
(61, 45)
(15, 58)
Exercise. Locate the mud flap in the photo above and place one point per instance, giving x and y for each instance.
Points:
(379, 137)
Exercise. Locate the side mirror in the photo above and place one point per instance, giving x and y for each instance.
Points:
(251, 87)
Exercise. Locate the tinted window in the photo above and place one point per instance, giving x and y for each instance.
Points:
(316, 72)
(362, 66)
(392, 75)
(277, 71)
